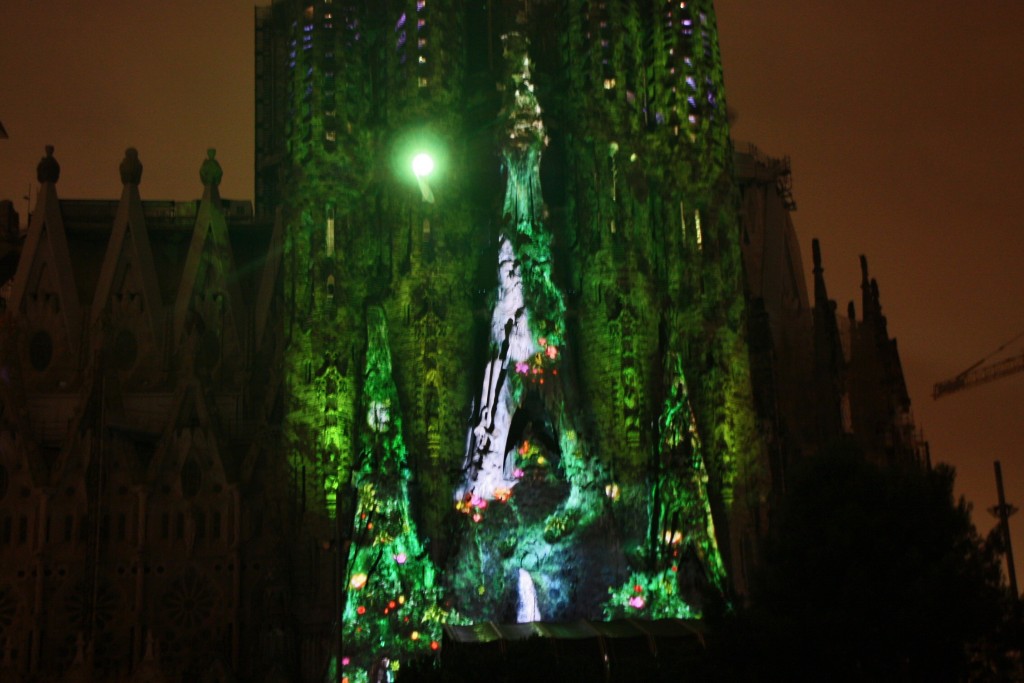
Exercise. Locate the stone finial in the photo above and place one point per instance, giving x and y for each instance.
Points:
(210, 172)
(131, 167)
(48, 170)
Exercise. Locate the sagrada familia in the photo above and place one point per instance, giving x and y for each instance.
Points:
(512, 333)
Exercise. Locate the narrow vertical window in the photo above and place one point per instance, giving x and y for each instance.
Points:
(330, 231)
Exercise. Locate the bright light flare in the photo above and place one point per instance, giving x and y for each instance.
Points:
(422, 165)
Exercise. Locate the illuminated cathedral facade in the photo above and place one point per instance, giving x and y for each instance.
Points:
(511, 334)
(516, 387)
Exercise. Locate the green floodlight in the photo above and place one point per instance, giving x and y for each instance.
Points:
(422, 165)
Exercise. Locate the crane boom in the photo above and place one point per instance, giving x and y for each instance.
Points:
(979, 374)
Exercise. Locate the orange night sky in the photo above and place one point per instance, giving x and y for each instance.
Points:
(903, 121)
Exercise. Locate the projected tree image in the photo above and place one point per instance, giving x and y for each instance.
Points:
(393, 608)
(542, 541)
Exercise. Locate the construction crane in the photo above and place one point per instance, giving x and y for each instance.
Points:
(982, 372)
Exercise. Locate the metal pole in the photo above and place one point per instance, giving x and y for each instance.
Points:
(1003, 511)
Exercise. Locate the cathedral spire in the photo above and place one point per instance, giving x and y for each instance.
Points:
(820, 292)
(867, 306)
(829, 363)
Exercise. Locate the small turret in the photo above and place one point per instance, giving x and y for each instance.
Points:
(210, 174)
(48, 170)
(131, 167)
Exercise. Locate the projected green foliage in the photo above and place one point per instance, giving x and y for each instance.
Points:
(392, 609)
(649, 595)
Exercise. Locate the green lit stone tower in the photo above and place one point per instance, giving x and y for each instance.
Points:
(347, 93)
(560, 301)
(651, 214)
